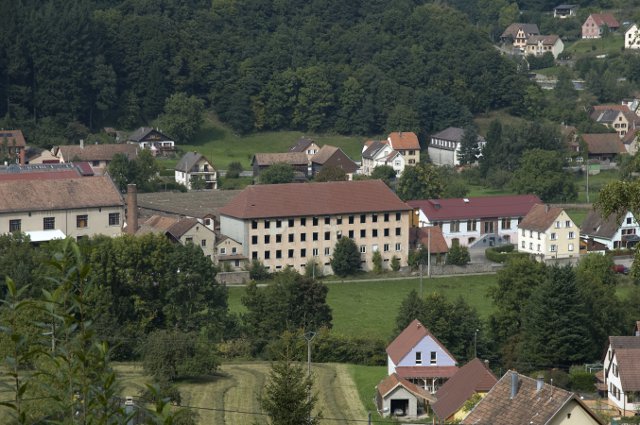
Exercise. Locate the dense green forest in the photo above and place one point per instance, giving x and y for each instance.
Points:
(361, 67)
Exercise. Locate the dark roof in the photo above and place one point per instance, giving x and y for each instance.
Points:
(474, 208)
(103, 152)
(373, 148)
(188, 160)
(629, 367)
(529, 406)
(548, 40)
(14, 138)
(420, 235)
(301, 145)
(197, 204)
(540, 218)
(156, 224)
(604, 143)
(603, 227)
(474, 377)
(181, 227)
(512, 30)
(45, 171)
(331, 156)
(58, 194)
(392, 381)
(293, 158)
(404, 140)
(141, 133)
(409, 338)
(454, 134)
(566, 6)
(300, 199)
(624, 342)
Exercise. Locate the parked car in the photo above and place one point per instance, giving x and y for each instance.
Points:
(620, 268)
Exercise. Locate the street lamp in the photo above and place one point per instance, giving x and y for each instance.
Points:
(475, 343)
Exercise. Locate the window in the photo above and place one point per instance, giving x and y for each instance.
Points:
(363, 233)
(290, 253)
(572, 235)
(327, 236)
(385, 247)
(339, 220)
(303, 221)
(48, 223)
(455, 226)
(538, 235)
(114, 219)
(234, 250)
(303, 253)
(278, 238)
(538, 247)
(398, 231)
(629, 220)
(522, 244)
(291, 237)
(278, 253)
(203, 243)
(15, 225)
(254, 224)
(315, 236)
(386, 216)
(303, 237)
(82, 221)
(374, 218)
(223, 250)
(570, 247)
(291, 222)
(267, 224)
(350, 219)
(374, 233)
(278, 223)
(553, 248)
(557, 224)
(189, 240)
(386, 232)
(254, 255)
(418, 358)
(471, 225)
(315, 221)
(267, 238)
(350, 234)
(398, 216)
(267, 255)
(363, 218)
(327, 251)
(398, 247)
(567, 223)
(314, 252)
(554, 236)
(363, 249)
(523, 232)
(434, 358)
(327, 220)
(531, 246)
(530, 233)
(506, 223)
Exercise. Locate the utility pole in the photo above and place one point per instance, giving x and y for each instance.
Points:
(309, 335)
(475, 343)
(429, 252)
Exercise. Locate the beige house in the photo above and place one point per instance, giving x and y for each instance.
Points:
(99, 156)
(401, 149)
(183, 231)
(548, 233)
(307, 146)
(285, 225)
(618, 117)
(228, 254)
(518, 33)
(538, 45)
(78, 207)
(632, 38)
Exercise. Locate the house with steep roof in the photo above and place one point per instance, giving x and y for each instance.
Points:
(401, 149)
(632, 38)
(418, 356)
(287, 225)
(620, 118)
(622, 373)
(308, 146)
(613, 232)
(548, 233)
(98, 155)
(518, 33)
(298, 160)
(431, 239)
(228, 254)
(396, 396)
(154, 140)
(538, 45)
(331, 156)
(595, 23)
(12, 146)
(444, 146)
(474, 378)
(194, 166)
(604, 147)
(475, 222)
(74, 205)
(564, 11)
(518, 399)
(182, 231)
(406, 144)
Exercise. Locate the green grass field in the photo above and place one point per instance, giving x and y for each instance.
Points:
(593, 47)
(368, 309)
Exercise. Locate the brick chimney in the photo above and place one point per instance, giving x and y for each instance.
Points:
(132, 209)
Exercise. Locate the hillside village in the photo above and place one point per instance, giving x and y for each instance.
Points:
(149, 234)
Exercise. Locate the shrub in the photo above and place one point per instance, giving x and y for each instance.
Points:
(581, 380)
(234, 169)
(395, 263)
(257, 271)
(377, 262)
(313, 269)
(500, 254)
(458, 255)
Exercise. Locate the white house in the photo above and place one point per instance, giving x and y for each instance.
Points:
(632, 38)
(399, 150)
(621, 365)
(611, 231)
(538, 45)
(548, 233)
(195, 166)
(418, 356)
(444, 147)
(475, 222)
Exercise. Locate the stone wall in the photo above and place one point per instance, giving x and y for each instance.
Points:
(233, 278)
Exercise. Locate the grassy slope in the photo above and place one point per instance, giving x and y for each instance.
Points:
(368, 309)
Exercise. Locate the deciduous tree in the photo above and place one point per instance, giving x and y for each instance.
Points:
(346, 257)
(421, 181)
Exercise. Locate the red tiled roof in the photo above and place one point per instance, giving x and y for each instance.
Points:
(629, 368)
(540, 218)
(426, 371)
(604, 143)
(409, 338)
(420, 235)
(474, 377)
(302, 199)
(605, 19)
(404, 140)
(14, 138)
(43, 175)
(480, 207)
(392, 381)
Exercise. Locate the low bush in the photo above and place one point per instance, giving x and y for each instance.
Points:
(500, 254)
(581, 380)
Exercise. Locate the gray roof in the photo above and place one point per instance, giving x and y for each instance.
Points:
(301, 145)
(143, 132)
(373, 149)
(454, 134)
(190, 204)
(293, 158)
(608, 116)
(566, 6)
(188, 160)
(596, 225)
(512, 30)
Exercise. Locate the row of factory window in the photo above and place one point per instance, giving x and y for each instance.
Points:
(315, 236)
(266, 255)
(49, 223)
(315, 221)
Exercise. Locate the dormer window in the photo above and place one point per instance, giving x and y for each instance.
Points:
(434, 358)
(418, 358)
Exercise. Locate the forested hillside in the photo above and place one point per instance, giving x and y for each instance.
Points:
(353, 67)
